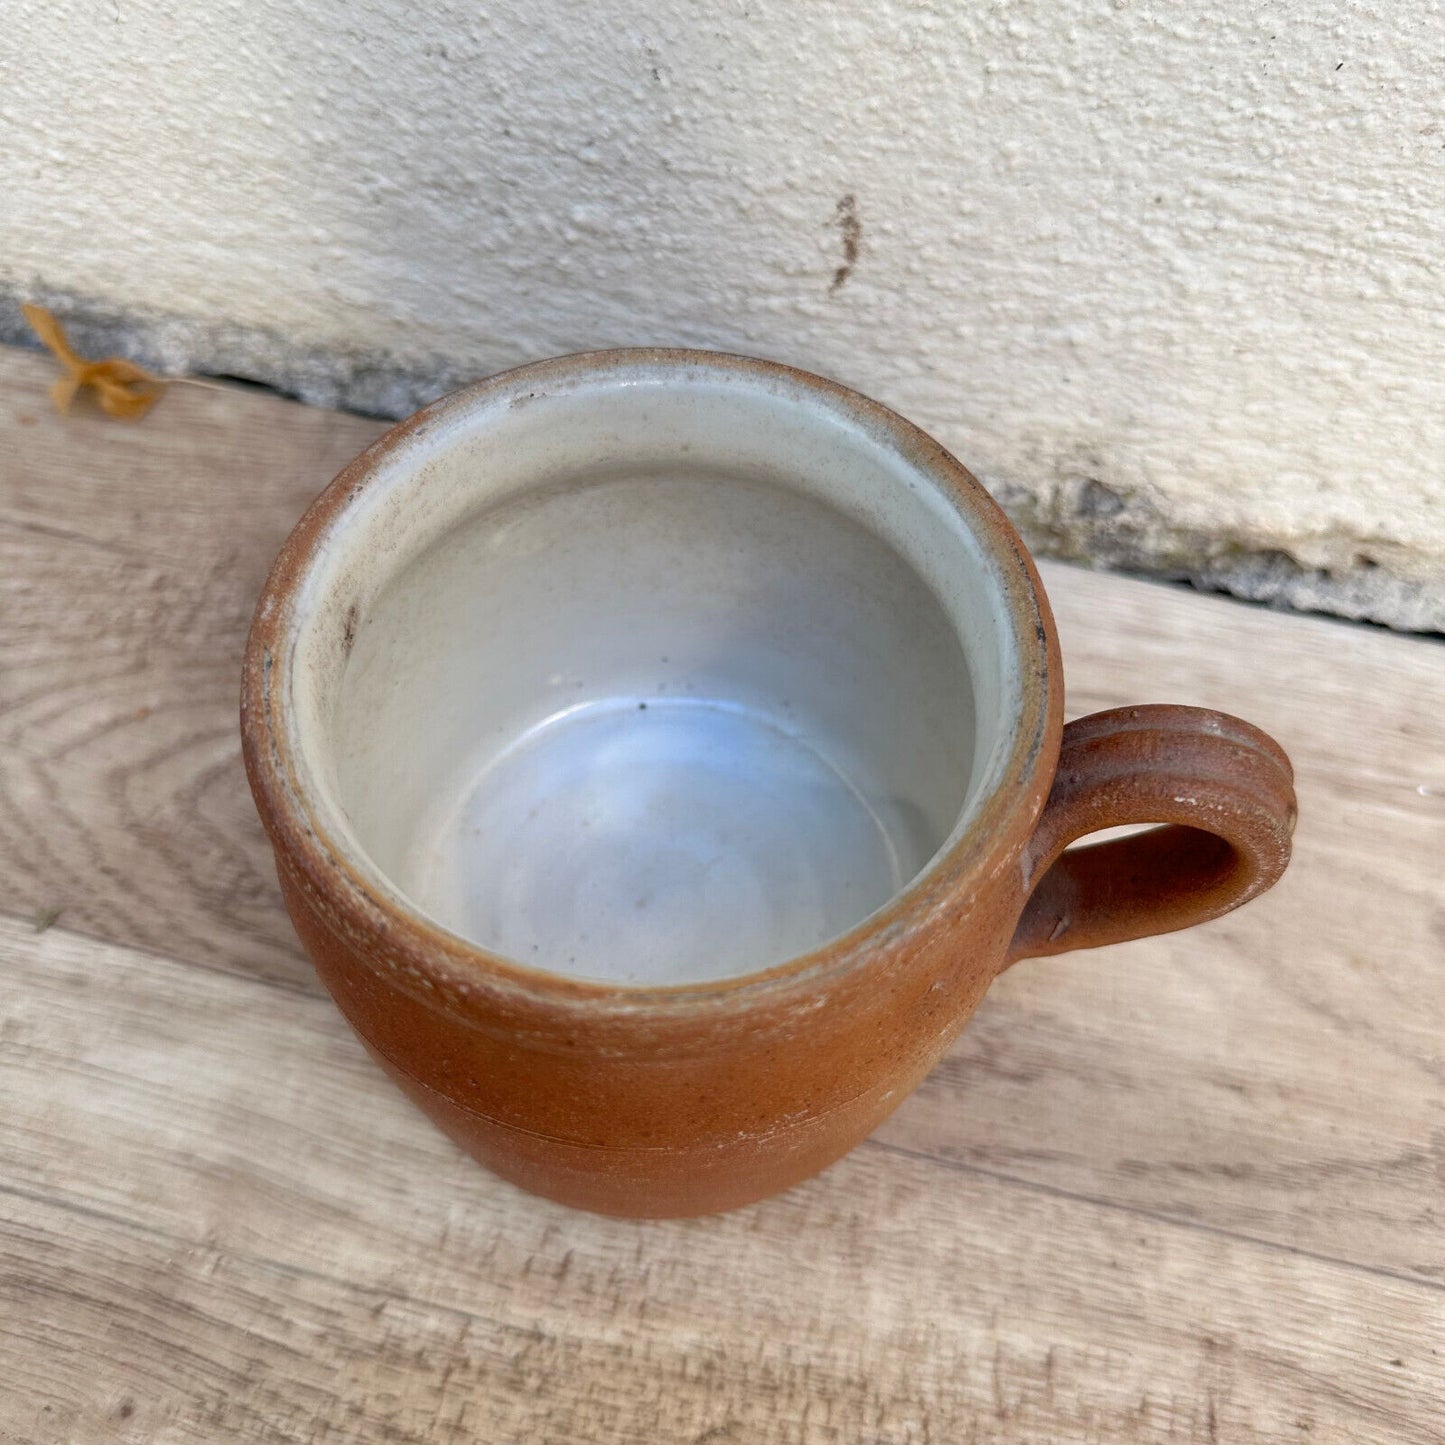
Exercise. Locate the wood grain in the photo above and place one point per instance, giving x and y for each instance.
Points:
(130, 560)
(1186, 1189)
(1280, 1072)
(250, 1233)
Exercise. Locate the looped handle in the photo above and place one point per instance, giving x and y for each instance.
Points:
(1225, 793)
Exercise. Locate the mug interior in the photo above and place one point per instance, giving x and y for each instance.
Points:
(650, 670)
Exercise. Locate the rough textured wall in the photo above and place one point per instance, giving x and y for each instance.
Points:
(1165, 273)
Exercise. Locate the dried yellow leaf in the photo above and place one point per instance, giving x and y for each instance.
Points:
(122, 388)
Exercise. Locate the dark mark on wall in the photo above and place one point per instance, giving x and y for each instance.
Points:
(845, 217)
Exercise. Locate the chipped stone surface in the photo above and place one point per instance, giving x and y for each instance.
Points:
(1084, 520)
(1164, 274)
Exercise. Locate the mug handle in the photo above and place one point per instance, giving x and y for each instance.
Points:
(1225, 793)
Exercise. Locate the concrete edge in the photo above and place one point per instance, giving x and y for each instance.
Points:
(1085, 521)
(1078, 519)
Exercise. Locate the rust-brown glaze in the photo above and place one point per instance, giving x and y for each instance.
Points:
(694, 1098)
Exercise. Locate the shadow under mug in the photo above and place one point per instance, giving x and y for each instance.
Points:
(662, 752)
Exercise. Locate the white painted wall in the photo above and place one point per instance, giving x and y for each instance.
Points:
(1169, 274)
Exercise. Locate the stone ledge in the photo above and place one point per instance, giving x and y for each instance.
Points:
(1078, 519)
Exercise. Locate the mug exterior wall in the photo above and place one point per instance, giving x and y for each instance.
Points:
(673, 1112)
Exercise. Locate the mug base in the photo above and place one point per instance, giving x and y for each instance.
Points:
(658, 840)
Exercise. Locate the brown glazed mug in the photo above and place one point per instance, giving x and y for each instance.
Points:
(663, 751)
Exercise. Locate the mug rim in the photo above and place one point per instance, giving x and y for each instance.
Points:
(447, 967)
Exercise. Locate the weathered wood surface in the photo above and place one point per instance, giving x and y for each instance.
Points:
(1190, 1189)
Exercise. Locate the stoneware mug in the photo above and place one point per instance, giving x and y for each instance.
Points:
(662, 752)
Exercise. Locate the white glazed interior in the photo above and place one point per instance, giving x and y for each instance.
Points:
(650, 671)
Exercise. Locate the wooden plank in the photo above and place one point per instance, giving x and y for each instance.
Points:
(1206, 1170)
(211, 473)
(1280, 1072)
(130, 559)
(1274, 1074)
(124, 804)
(249, 1236)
